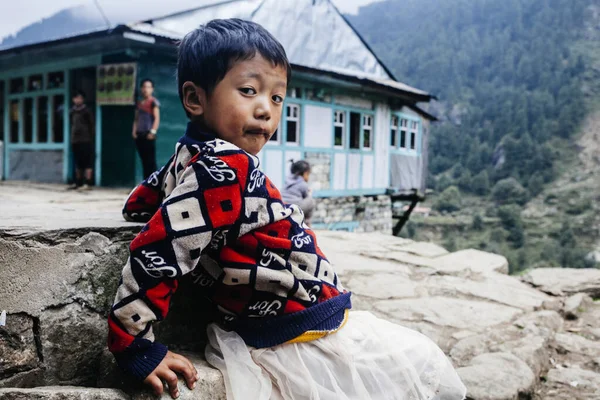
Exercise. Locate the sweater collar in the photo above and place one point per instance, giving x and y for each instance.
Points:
(195, 132)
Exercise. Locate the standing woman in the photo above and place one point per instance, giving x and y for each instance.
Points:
(145, 126)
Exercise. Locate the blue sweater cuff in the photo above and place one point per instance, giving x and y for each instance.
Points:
(141, 362)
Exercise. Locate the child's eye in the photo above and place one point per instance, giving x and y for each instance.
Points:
(248, 91)
(278, 99)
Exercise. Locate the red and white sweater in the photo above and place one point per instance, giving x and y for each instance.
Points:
(212, 211)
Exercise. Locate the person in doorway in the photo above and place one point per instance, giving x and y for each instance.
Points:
(296, 190)
(82, 141)
(145, 126)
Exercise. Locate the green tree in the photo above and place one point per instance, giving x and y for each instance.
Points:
(481, 183)
(509, 191)
(448, 200)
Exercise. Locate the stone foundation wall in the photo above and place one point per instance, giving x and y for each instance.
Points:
(354, 213)
(320, 165)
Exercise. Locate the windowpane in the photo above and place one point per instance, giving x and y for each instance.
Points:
(393, 137)
(414, 125)
(14, 121)
(413, 141)
(367, 138)
(339, 136)
(404, 123)
(354, 130)
(292, 131)
(56, 80)
(2, 107)
(28, 120)
(36, 82)
(402, 139)
(17, 85)
(42, 119)
(58, 106)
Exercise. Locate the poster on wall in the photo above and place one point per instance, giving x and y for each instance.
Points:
(115, 84)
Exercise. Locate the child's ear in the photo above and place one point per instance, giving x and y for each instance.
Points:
(194, 99)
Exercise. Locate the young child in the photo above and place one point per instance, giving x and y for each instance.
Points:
(82, 141)
(284, 329)
(296, 190)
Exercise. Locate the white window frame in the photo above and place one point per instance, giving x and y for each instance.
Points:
(394, 122)
(292, 107)
(414, 133)
(367, 125)
(403, 128)
(341, 123)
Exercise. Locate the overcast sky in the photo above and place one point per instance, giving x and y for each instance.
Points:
(16, 14)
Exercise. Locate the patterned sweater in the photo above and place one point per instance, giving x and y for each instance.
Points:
(212, 212)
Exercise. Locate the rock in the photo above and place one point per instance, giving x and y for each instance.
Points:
(542, 323)
(424, 249)
(72, 339)
(447, 311)
(209, 387)
(529, 348)
(577, 350)
(571, 384)
(491, 286)
(471, 259)
(565, 281)
(18, 351)
(382, 285)
(27, 379)
(62, 393)
(576, 305)
(92, 242)
(497, 376)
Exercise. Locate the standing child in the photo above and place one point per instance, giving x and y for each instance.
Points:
(296, 190)
(284, 329)
(145, 127)
(82, 141)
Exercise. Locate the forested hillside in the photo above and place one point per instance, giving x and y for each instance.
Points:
(511, 81)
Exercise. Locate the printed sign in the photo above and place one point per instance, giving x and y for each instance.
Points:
(116, 84)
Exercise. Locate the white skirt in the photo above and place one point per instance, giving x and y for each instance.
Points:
(368, 359)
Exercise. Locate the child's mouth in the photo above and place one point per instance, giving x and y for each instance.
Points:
(259, 132)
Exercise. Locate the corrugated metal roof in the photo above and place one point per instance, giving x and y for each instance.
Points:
(313, 32)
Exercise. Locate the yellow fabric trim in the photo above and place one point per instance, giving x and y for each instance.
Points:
(309, 336)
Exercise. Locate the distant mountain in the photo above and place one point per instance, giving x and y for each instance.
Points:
(67, 22)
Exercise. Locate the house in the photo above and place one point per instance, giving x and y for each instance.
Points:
(362, 130)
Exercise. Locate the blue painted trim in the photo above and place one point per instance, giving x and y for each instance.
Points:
(34, 146)
(34, 123)
(37, 93)
(7, 132)
(66, 64)
(98, 163)
(418, 139)
(66, 126)
(50, 116)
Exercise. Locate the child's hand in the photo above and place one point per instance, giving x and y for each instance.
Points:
(166, 371)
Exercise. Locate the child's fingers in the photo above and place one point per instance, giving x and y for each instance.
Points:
(190, 365)
(184, 367)
(170, 378)
(155, 383)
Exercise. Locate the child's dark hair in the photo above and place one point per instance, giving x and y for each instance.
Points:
(146, 80)
(299, 167)
(79, 93)
(206, 54)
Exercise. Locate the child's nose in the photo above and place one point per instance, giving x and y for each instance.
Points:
(262, 110)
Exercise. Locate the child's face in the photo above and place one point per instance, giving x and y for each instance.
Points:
(77, 100)
(306, 176)
(245, 107)
(147, 89)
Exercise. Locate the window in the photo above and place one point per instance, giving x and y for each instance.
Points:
(15, 110)
(2, 107)
(16, 86)
(403, 133)
(414, 129)
(339, 127)
(355, 130)
(318, 95)
(394, 132)
(42, 119)
(58, 107)
(56, 80)
(294, 92)
(28, 120)
(292, 121)
(36, 82)
(367, 131)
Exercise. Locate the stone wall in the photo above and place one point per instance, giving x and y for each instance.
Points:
(360, 213)
(320, 165)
